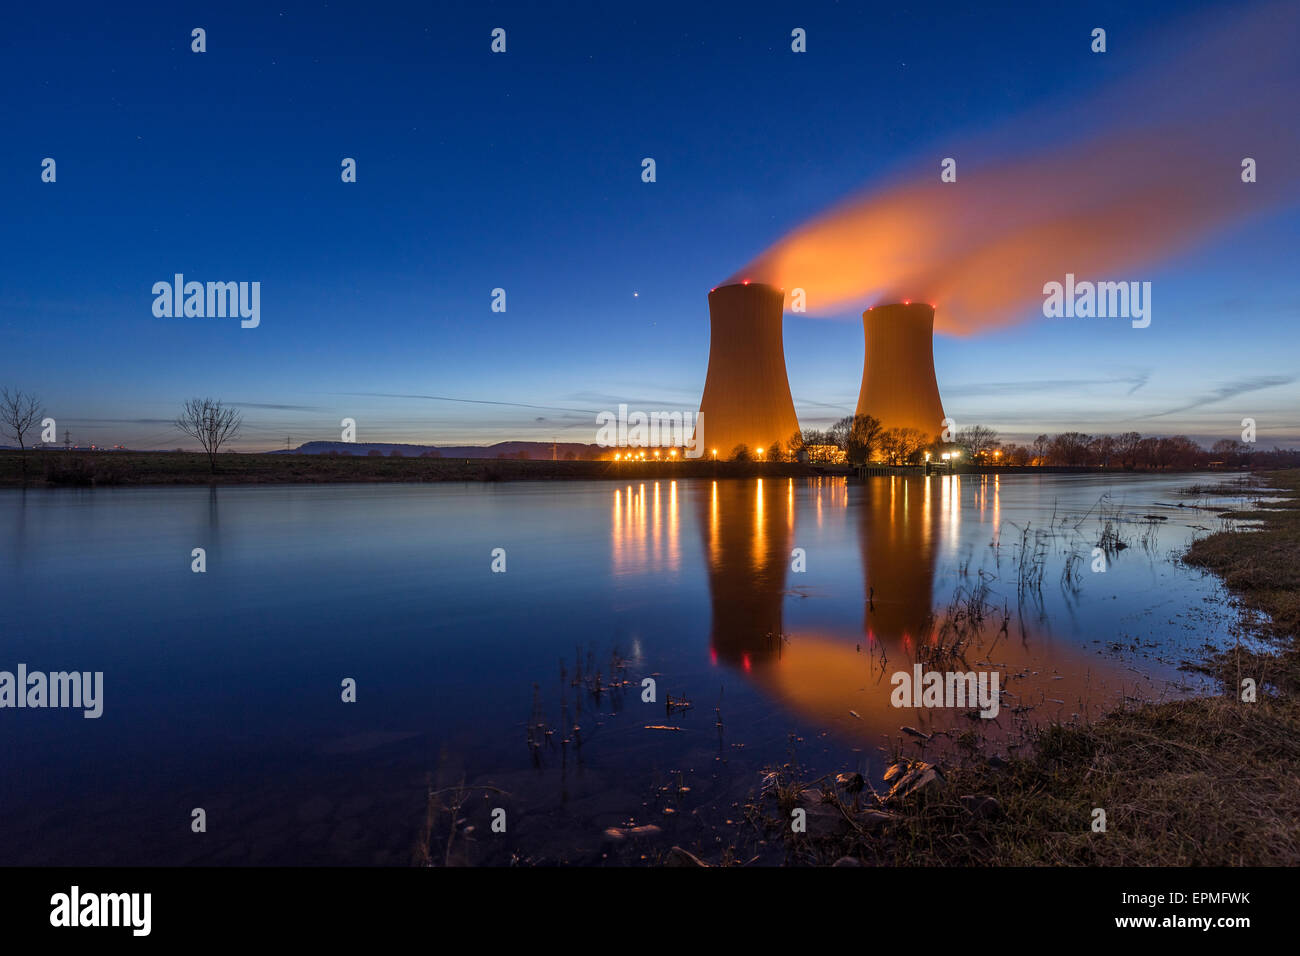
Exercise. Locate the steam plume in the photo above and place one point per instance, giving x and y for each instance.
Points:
(1149, 168)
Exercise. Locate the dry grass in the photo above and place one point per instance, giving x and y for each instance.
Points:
(1201, 782)
(1262, 566)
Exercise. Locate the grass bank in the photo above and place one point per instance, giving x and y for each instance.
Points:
(1208, 781)
(53, 469)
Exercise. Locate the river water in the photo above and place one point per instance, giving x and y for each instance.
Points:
(780, 609)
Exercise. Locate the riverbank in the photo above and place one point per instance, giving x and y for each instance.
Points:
(56, 469)
(1210, 781)
(52, 468)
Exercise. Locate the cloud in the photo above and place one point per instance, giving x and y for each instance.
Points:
(837, 406)
(278, 408)
(125, 421)
(467, 401)
(691, 400)
(1231, 390)
(1135, 382)
(1139, 176)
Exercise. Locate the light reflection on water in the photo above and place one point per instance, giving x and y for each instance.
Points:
(836, 674)
(221, 689)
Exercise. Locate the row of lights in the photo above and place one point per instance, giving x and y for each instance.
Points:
(618, 456)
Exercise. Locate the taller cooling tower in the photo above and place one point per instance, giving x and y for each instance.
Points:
(746, 393)
(898, 383)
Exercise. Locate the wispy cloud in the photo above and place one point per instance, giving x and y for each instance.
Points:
(1231, 390)
(1135, 382)
(466, 401)
(613, 401)
(806, 402)
(125, 421)
(279, 408)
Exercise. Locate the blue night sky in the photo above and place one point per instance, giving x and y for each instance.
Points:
(522, 171)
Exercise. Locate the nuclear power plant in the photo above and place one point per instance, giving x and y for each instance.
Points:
(746, 392)
(898, 383)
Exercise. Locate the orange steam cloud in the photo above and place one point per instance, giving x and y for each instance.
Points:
(1101, 206)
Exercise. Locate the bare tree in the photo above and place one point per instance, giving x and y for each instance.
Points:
(19, 414)
(863, 437)
(840, 431)
(210, 423)
(1069, 448)
(1102, 449)
(901, 446)
(1126, 449)
(911, 443)
(1040, 449)
(978, 440)
(1232, 452)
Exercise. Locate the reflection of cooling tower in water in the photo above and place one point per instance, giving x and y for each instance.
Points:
(899, 520)
(898, 383)
(746, 393)
(747, 528)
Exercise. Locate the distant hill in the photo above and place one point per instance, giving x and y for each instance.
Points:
(535, 450)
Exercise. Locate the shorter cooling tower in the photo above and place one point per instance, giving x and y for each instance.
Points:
(746, 392)
(898, 383)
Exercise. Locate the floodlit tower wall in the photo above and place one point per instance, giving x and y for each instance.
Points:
(746, 392)
(898, 382)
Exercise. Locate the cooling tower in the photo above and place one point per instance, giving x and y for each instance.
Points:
(746, 393)
(898, 383)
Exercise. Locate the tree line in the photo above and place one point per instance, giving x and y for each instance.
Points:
(862, 439)
(855, 439)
